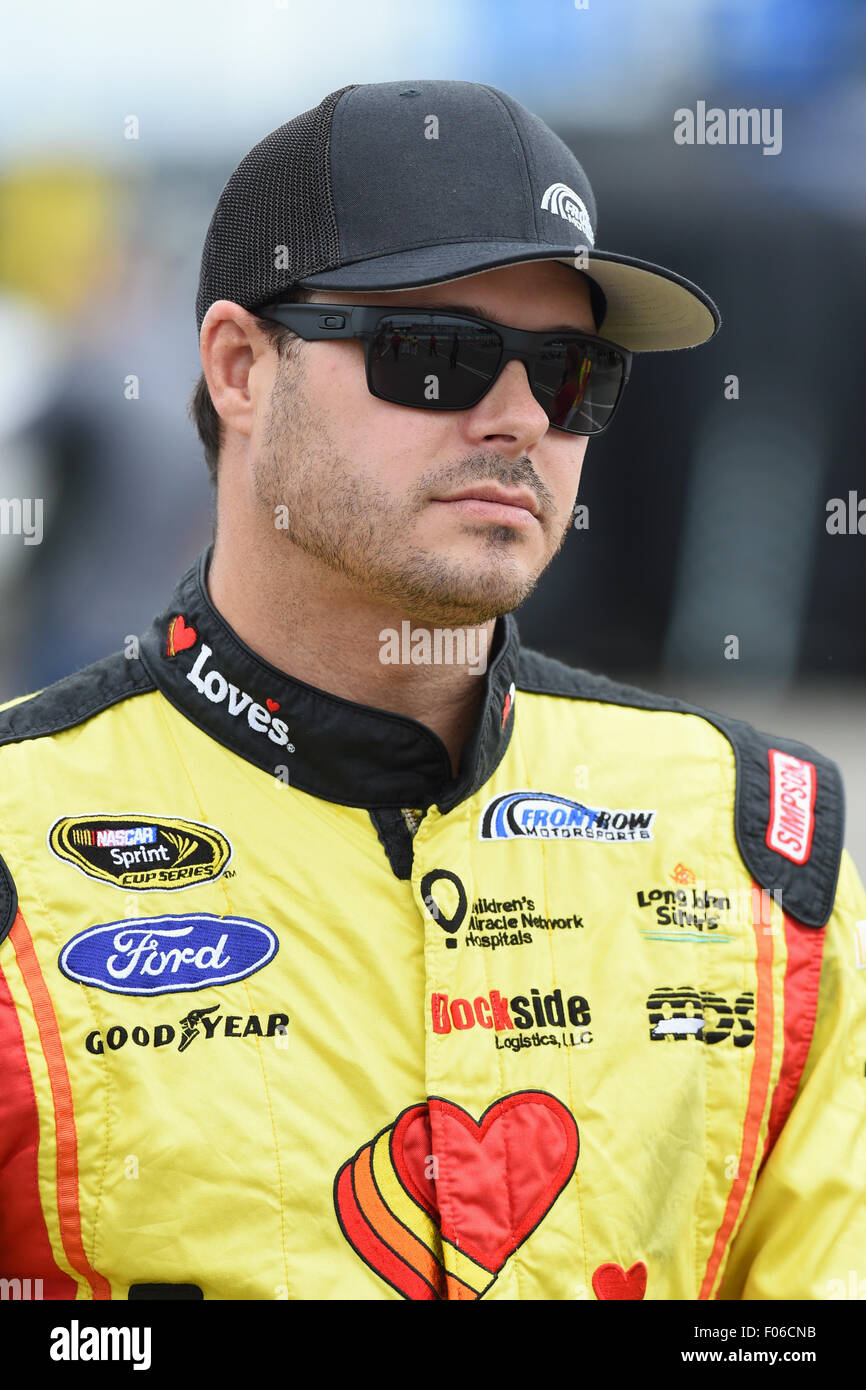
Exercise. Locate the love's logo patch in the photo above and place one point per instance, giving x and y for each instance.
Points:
(437, 1202)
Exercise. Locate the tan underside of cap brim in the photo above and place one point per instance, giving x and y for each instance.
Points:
(647, 312)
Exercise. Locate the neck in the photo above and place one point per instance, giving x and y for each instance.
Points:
(316, 626)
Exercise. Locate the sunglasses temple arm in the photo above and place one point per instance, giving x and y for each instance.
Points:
(320, 321)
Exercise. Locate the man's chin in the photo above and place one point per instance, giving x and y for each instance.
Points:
(470, 608)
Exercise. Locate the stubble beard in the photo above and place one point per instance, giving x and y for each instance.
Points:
(354, 528)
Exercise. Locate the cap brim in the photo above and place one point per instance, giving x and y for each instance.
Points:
(649, 308)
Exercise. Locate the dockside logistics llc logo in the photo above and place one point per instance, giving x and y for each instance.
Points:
(519, 1022)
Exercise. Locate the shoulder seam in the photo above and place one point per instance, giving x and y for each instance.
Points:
(26, 719)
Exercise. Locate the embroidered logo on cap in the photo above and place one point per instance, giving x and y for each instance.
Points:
(564, 202)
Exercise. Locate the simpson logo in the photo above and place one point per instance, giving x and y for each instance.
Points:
(214, 686)
(141, 852)
(793, 785)
(558, 198)
(165, 955)
(544, 816)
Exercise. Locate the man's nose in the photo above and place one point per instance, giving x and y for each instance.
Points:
(509, 411)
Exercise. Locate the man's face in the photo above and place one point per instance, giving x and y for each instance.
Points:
(363, 481)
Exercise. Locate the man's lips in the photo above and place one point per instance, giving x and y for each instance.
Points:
(491, 503)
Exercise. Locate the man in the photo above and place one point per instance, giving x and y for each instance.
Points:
(350, 950)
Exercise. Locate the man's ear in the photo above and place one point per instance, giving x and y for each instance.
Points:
(232, 345)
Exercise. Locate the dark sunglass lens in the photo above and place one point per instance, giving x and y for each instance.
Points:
(578, 384)
(433, 360)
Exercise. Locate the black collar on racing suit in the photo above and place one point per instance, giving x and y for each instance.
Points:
(344, 752)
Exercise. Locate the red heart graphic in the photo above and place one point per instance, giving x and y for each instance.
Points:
(272, 705)
(411, 1147)
(180, 636)
(497, 1177)
(612, 1281)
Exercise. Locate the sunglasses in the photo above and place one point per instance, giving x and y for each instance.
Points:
(445, 361)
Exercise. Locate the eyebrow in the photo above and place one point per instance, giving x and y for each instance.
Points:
(474, 311)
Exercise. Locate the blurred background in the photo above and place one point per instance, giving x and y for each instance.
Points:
(707, 515)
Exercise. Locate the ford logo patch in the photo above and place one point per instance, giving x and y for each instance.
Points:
(166, 955)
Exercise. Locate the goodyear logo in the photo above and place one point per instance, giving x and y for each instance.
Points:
(141, 852)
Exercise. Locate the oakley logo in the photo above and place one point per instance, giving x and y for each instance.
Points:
(564, 202)
(214, 686)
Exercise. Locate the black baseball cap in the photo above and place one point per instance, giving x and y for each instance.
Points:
(398, 185)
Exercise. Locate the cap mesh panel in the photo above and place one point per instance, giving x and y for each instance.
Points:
(279, 196)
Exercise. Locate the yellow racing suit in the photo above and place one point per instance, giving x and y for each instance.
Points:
(287, 1011)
